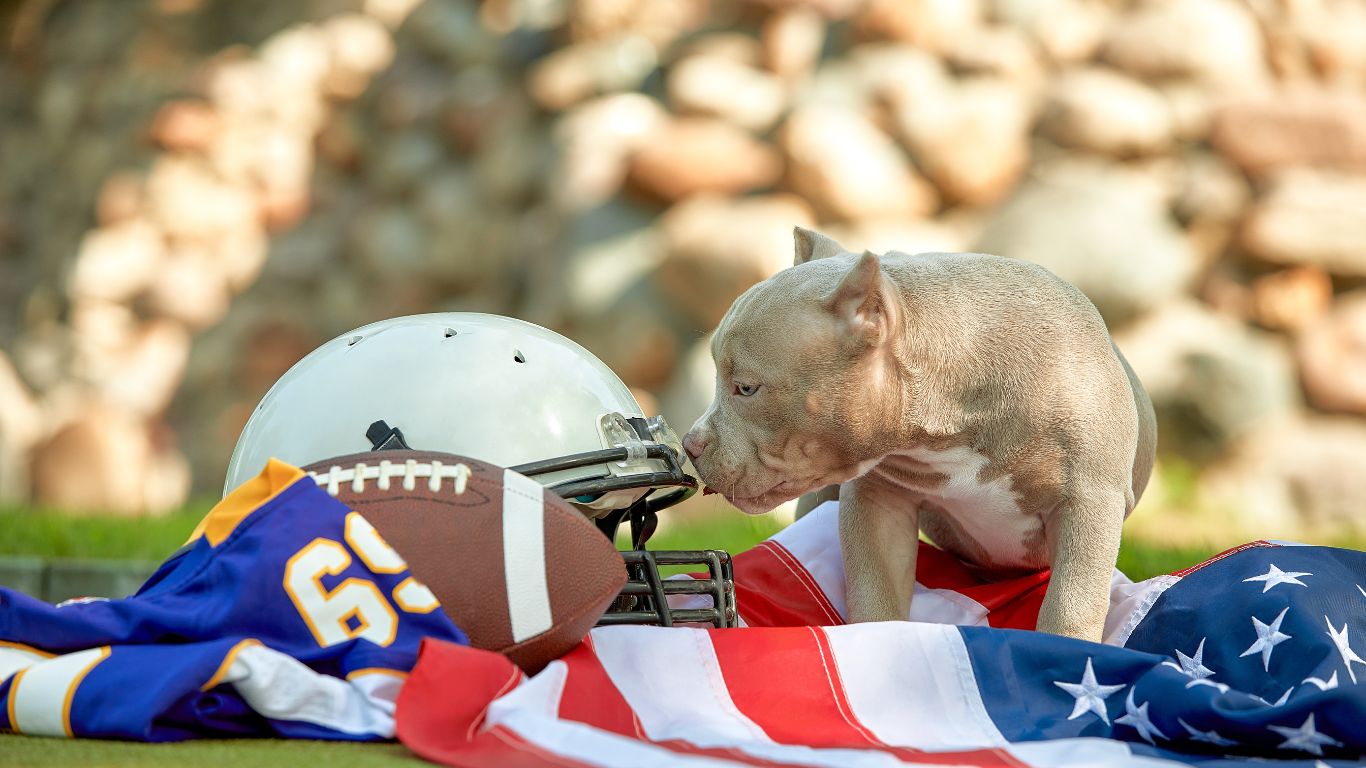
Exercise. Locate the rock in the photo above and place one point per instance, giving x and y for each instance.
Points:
(21, 426)
(848, 169)
(716, 248)
(1103, 232)
(189, 289)
(690, 156)
(1209, 189)
(895, 75)
(792, 41)
(1102, 111)
(187, 200)
(1332, 356)
(407, 96)
(1212, 380)
(572, 74)
(1191, 109)
(595, 141)
(1213, 41)
(1297, 127)
(144, 374)
(359, 46)
(121, 198)
(658, 21)
(1066, 31)
(735, 47)
(389, 240)
(189, 126)
(690, 392)
(266, 349)
(449, 31)
(118, 262)
(295, 59)
(830, 9)
(105, 460)
(900, 235)
(403, 160)
(749, 98)
(239, 256)
(973, 143)
(1311, 217)
(1290, 299)
(340, 142)
(633, 338)
(512, 162)
(1336, 38)
(610, 249)
(999, 52)
(1295, 479)
(933, 25)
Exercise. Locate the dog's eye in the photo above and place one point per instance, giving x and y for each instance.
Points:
(745, 390)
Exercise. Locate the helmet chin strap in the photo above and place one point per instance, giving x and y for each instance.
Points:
(643, 522)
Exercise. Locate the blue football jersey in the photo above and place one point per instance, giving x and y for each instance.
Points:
(285, 615)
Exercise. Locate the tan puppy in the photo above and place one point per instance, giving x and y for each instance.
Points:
(976, 398)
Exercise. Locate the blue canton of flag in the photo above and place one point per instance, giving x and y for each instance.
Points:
(1250, 654)
(287, 614)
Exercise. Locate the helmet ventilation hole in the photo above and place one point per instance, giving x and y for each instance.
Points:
(517, 356)
(451, 332)
(351, 342)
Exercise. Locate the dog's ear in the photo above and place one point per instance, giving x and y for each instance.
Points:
(810, 245)
(861, 301)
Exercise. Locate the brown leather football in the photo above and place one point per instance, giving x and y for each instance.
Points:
(517, 568)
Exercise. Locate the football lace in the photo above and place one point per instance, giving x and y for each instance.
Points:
(434, 472)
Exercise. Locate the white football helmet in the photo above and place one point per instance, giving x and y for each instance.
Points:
(515, 395)
(494, 388)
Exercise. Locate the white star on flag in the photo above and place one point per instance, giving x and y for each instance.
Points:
(1274, 576)
(1344, 647)
(1305, 738)
(1192, 666)
(1136, 717)
(1323, 685)
(1268, 637)
(1209, 737)
(1090, 695)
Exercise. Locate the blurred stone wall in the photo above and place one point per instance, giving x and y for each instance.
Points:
(194, 195)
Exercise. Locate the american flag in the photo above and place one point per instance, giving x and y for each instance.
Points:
(1247, 657)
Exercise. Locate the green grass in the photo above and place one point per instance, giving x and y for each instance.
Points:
(38, 752)
(53, 535)
(45, 533)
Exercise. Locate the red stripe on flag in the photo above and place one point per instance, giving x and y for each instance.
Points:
(441, 721)
(773, 589)
(790, 686)
(783, 684)
(1011, 603)
(1224, 554)
(591, 697)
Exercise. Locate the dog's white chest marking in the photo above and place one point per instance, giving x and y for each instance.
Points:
(988, 512)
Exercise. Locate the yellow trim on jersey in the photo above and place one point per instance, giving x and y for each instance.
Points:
(377, 671)
(71, 690)
(224, 518)
(27, 649)
(13, 696)
(228, 659)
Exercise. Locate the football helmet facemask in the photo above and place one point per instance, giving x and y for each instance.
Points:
(510, 393)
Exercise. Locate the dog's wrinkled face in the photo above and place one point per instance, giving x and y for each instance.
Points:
(795, 372)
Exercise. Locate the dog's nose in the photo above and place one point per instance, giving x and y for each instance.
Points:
(694, 444)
